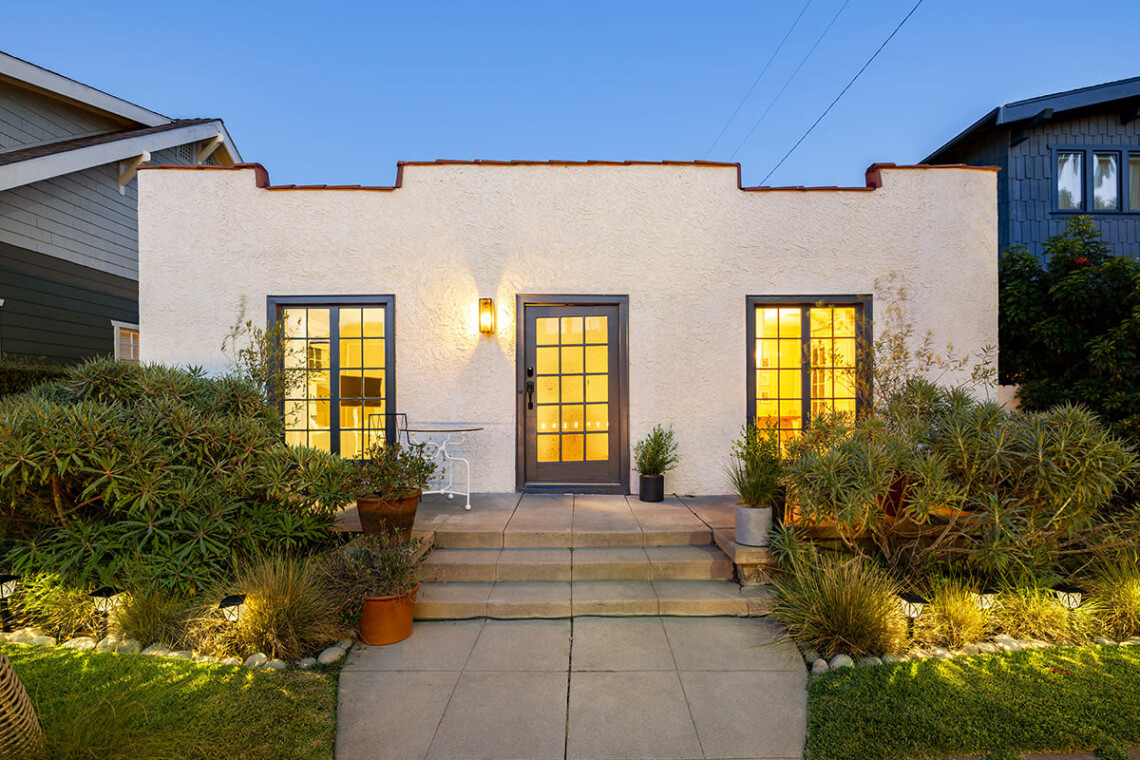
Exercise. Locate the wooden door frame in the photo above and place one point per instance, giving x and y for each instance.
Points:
(622, 304)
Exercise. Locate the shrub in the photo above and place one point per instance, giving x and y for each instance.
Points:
(836, 606)
(1069, 327)
(147, 476)
(391, 470)
(379, 564)
(656, 454)
(953, 617)
(154, 617)
(288, 611)
(756, 466)
(1116, 590)
(18, 375)
(60, 610)
(936, 474)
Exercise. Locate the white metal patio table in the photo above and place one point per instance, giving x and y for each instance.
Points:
(440, 438)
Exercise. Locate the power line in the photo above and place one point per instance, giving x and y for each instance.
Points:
(840, 95)
(793, 76)
(758, 77)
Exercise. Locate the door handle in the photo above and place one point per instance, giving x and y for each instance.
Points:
(530, 394)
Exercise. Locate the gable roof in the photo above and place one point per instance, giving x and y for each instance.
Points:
(143, 130)
(1125, 92)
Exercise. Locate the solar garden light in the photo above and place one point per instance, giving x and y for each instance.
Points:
(1069, 596)
(912, 605)
(106, 599)
(8, 585)
(232, 607)
(985, 597)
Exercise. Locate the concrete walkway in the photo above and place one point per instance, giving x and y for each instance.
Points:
(591, 687)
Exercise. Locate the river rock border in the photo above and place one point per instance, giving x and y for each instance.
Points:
(123, 645)
(817, 664)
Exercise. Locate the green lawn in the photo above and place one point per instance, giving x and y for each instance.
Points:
(134, 707)
(1056, 699)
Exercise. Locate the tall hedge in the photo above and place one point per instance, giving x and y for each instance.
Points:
(152, 476)
(19, 375)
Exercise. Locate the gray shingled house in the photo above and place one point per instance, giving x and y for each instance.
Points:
(69, 209)
(1074, 152)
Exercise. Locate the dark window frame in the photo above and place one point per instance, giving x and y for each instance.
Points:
(1088, 153)
(864, 316)
(274, 306)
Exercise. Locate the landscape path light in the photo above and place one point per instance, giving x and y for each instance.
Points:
(985, 597)
(912, 605)
(106, 599)
(8, 586)
(232, 607)
(1069, 596)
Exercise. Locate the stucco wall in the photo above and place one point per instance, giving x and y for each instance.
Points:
(684, 242)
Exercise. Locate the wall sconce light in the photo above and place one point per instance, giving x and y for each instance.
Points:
(232, 607)
(487, 316)
(912, 605)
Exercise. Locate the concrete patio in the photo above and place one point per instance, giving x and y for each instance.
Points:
(645, 687)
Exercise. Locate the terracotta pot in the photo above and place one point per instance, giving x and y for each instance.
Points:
(379, 514)
(387, 619)
(652, 488)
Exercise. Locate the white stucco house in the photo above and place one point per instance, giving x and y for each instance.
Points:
(623, 295)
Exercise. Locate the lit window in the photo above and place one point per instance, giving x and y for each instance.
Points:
(803, 361)
(126, 339)
(338, 358)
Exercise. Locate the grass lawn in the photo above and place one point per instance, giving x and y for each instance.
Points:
(131, 707)
(1056, 699)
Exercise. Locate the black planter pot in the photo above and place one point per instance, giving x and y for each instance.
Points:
(652, 488)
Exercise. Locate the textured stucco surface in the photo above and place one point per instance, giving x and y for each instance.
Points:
(684, 242)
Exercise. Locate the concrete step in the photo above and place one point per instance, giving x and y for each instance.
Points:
(509, 600)
(661, 533)
(676, 563)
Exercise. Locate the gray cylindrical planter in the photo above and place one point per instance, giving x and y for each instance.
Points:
(752, 525)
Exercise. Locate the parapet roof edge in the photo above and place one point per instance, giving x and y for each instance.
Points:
(873, 174)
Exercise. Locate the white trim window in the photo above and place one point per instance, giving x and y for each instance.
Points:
(126, 341)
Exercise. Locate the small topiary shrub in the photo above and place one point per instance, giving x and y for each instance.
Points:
(834, 606)
(152, 477)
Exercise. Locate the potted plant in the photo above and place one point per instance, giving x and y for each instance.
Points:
(655, 455)
(387, 486)
(755, 474)
(373, 578)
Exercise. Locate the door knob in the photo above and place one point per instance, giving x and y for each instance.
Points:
(530, 394)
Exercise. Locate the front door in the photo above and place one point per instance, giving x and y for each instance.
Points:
(572, 390)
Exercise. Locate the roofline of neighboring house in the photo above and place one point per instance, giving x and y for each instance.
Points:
(873, 175)
(23, 167)
(1044, 107)
(59, 86)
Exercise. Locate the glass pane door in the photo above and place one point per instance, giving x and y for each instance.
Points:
(571, 389)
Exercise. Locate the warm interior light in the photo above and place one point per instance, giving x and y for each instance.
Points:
(232, 607)
(487, 316)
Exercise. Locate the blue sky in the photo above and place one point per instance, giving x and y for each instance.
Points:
(336, 92)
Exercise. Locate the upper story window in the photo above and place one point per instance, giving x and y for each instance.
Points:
(126, 341)
(804, 357)
(1096, 179)
(344, 350)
